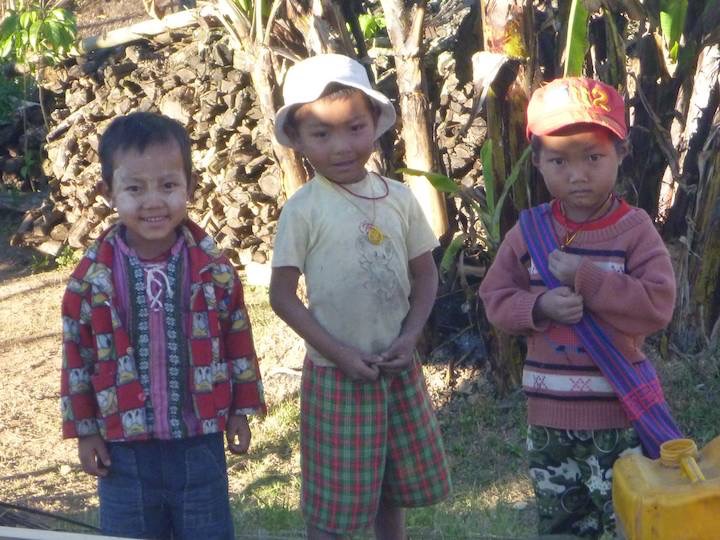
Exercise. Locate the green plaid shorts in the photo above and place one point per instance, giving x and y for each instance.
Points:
(362, 441)
(571, 472)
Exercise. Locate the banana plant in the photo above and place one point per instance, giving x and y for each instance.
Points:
(666, 17)
(484, 206)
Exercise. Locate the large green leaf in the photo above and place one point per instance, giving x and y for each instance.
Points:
(509, 183)
(371, 24)
(28, 18)
(672, 22)
(6, 47)
(442, 183)
(55, 34)
(576, 44)
(60, 14)
(34, 34)
(9, 26)
(450, 254)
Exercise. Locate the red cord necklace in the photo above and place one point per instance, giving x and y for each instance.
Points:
(371, 198)
(571, 234)
(374, 235)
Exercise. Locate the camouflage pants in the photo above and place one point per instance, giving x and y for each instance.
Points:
(571, 472)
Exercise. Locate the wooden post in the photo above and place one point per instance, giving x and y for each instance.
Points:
(405, 31)
(258, 59)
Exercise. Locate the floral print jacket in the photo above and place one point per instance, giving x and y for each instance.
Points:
(101, 391)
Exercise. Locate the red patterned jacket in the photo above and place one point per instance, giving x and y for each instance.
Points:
(100, 388)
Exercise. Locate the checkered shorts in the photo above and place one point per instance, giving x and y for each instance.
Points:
(360, 441)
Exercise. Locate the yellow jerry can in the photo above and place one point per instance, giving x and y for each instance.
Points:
(676, 497)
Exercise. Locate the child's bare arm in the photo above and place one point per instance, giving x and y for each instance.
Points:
(237, 433)
(285, 302)
(422, 297)
(94, 455)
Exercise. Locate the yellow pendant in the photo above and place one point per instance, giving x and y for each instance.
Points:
(375, 235)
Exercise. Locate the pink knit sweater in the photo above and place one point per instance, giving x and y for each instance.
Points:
(627, 283)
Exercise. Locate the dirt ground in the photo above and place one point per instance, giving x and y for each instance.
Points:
(95, 17)
(36, 468)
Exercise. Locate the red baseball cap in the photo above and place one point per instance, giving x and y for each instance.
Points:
(575, 100)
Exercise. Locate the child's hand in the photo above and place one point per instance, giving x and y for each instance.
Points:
(358, 366)
(237, 433)
(561, 305)
(398, 356)
(94, 455)
(564, 266)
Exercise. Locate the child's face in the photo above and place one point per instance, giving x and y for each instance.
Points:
(337, 136)
(579, 165)
(150, 192)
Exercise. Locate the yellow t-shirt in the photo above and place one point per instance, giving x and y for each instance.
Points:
(357, 290)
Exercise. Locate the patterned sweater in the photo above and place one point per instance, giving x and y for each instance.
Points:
(104, 384)
(627, 283)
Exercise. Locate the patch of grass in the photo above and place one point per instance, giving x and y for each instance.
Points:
(257, 303)
(485, 443)
(41, 263)
(67, 258)
(265, 485)
(692, 388)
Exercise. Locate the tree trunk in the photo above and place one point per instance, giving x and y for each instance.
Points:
(704, 271)
(328, 29)
(698, 305)
(258, 61)
(263, 77)
(406, 37)
(650, 142)
(702, 104)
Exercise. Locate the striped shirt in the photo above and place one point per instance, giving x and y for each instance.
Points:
(627, 283)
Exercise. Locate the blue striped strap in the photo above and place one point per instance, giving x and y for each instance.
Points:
(636, 385)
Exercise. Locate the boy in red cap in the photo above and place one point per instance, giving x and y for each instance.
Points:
(586, 278)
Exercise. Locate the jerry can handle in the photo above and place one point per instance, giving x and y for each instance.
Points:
(682, 453)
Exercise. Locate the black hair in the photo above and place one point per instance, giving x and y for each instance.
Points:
(334, 91)
(137, 131)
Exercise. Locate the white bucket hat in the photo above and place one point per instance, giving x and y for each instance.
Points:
(307, 80)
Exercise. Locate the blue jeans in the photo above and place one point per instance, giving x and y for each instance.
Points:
(167, 489)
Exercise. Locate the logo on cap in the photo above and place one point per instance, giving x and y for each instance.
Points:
(576, 94)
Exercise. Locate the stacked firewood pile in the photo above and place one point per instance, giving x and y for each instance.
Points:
(21, 134)
(459, 129)
(193, 75)
(188, 75)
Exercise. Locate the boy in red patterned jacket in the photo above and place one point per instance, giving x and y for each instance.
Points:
(612, 268)
(158, 358)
